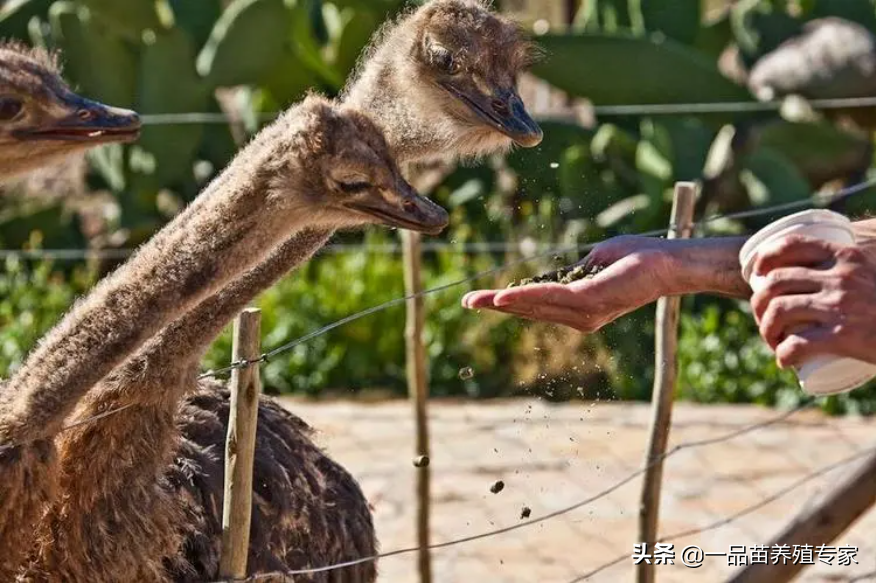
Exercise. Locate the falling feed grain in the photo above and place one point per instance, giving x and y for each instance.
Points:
(421, 461)
(466, 373)
(497, 486)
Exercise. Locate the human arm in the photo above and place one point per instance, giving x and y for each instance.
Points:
(638, 270)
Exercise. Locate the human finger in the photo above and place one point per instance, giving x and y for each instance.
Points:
(482, 298)
(782, 282)
(793, 250)
(787, 314)
(802, 345)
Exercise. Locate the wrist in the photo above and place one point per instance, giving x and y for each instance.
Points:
(705, 266)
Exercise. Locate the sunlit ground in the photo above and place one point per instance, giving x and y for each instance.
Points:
(550, 457)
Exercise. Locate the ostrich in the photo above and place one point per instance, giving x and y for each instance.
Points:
(42, 121)
(307, 510)
(319, 165)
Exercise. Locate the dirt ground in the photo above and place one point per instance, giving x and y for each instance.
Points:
(553, 456)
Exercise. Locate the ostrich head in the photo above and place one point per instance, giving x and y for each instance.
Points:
(442, 80)
(347, 175)
(42, 120)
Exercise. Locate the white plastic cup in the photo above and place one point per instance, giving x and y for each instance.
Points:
(824, 374)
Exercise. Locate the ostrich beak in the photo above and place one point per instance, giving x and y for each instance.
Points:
(88, 122)
(504, 111)
(403, 208)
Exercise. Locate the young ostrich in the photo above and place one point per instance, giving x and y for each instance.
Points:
(308, 510)
(318, 165)
(42, 121)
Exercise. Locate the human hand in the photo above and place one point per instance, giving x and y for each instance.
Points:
(818, 298)
(637, 270)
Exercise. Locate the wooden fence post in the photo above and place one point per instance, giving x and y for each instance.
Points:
(240, 446)
(665, 369)
(418, 390)
(850, 500)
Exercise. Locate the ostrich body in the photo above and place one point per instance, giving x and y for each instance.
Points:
(42, 121)
(318, 165)
(169, 441)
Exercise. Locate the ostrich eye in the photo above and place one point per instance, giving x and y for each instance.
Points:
(10, 107)
(443, 59)
(354, 187)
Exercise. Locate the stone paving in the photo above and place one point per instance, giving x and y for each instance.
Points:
(554, 456)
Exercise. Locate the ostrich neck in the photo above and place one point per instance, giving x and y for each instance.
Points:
(232, 225)
(189, 336)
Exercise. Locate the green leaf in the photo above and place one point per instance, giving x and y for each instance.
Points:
(677, 19)
(714, 36)
(307, 48)
(359, 26)
(196, 17)
(169, 84)
(129, 18)
(861, 11)
(771, 178)
(16, 14)
(760, 27)
(624, 70)
(245, 43)
(99, 63)
(58, 229)
(820, 150)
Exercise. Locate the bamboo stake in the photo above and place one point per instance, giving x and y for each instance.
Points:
(666, 345)
(240, 446)
(418, 390)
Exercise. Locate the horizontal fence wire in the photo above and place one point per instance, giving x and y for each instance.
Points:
(817, 473)
(640, 109)
(817, 200)
(764, 501)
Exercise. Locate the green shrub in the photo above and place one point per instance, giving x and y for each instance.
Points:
(722, 359)
(33, 296)
(369, 353)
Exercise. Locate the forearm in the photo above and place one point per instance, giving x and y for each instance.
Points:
(712, 265)
(708, 266)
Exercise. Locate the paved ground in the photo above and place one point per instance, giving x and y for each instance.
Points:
(550, 457)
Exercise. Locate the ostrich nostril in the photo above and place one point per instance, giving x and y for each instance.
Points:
(500, 107)
(409, 206)
(85, 115)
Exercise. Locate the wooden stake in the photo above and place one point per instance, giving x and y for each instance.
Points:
(851, 499)
(666, 345)
(240, 446)
(418, 390)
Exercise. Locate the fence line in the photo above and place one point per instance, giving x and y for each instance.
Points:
(602, 494)
(645, 109)
(816, 199)
(745, 511)
(534, 250)
(824, 199)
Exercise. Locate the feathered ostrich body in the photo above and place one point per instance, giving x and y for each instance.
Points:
(155, 504)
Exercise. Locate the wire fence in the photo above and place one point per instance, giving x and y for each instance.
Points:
(638, 109)
(757, 495)
(815, 200)
(547, 454)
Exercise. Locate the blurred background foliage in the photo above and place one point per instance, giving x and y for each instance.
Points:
(598, 173)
